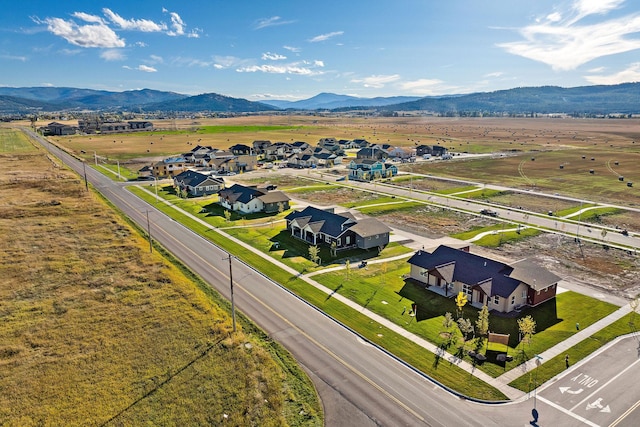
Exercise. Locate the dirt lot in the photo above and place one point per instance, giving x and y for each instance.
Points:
(591, 264)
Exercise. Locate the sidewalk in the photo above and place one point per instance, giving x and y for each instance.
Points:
(500, 383)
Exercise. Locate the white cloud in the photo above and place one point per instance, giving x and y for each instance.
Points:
(292, 49)
(268, 56)
(222, 62)
(14, 58)
(378, 81)
(144, 68)
(280, 69)
(177, 24)
(565, 43)
(270, 22)
(93, 35)
(327, 36)
(144, 25)
(631, 74)
(423, 86)
(88, 18)
(494, 74)
(96, 31)
(113, 55)
(156, 59)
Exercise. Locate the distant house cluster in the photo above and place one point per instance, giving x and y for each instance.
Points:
(502, 287)
(373, 161)
(92, 126)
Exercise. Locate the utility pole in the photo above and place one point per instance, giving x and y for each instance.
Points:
(84, 169)
(233, 306)
(149, 233)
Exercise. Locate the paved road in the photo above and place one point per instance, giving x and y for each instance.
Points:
(600, 390)
(359, 384)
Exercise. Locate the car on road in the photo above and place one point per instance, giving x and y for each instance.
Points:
(489, 212)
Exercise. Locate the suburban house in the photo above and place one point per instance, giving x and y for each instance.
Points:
(260, 145)
(434, 150)
(502, 287)
(253, 199)
(367, 170)
(55, 128)
(240, 149)
(197, 184)
(169, 167)
(401, 153)
(371, 153)
(319, 226)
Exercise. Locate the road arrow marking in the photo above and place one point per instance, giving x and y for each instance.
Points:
(595, 404)
(606, 409)
(568, 390)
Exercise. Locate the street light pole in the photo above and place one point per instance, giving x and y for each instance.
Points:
(535, 381)
(156, 178)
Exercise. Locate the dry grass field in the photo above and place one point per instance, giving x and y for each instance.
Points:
(95, 330)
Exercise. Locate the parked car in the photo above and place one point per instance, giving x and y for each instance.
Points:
(489, 212)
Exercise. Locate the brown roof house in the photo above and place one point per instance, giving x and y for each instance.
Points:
(502, 287)
(253, 199)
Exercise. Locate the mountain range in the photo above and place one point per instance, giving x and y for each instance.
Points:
(585, 100)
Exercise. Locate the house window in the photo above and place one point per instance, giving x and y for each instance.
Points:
(524, 295)
(467, 289)
(496, 299)
(347, 240)
(513, 299)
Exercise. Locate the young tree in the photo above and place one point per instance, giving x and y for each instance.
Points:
(347, 267)
(527, 328)
(482, 325)
(447, 324)
(334, 249)
(461, 301)
(280, 207)
(227, 215)
(466, 327)
(314, 254)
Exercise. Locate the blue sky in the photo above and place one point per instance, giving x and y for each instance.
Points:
(291, 50)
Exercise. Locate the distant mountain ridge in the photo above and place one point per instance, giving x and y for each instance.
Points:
(331, 101)
(585, 100)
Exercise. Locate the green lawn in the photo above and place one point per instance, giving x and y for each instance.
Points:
(382, 289)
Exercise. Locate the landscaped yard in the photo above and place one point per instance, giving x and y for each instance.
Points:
(382, 289)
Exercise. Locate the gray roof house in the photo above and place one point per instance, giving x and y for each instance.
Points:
(502, 287)
(197, 184)
(319, 226)
(253, 199)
